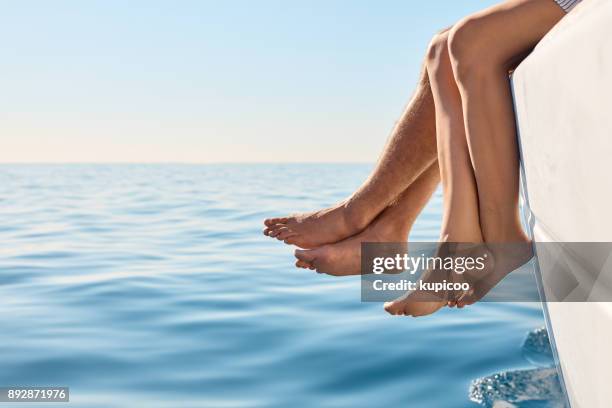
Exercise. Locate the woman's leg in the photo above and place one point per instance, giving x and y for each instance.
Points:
(483, 47)
(411, 150)
(461, 222)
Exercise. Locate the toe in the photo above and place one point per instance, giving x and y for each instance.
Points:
(390, 307)
(273, 221)
(301, 264)
(309, 257)
(466, 299)
(274, 231)
(285, 233)
(305, 255)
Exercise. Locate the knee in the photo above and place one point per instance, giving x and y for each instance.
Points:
(437, 52)
(470, 51)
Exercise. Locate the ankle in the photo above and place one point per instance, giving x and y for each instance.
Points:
(388, 229)
(356, 217)
(512, 233)
(474, 237)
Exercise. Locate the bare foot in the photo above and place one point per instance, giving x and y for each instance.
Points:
(507, 258)
(420, 302)
(311, 230)
(425, 302)
(344, 258)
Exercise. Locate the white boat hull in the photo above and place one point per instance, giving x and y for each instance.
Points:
(563, 102)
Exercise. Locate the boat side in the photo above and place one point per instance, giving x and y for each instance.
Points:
(563, 102)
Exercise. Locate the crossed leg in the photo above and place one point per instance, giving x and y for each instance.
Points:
(460, 221)
(477, 148)
(483, 48)
(480, 50)
(410, 151)
(392, 225)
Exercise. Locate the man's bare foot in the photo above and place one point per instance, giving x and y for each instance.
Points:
(344, 258)
(353, 215)
(311, 230)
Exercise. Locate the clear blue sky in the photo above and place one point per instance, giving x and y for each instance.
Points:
(210, 81)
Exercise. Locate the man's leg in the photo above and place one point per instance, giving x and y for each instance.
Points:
(392, 225)
(483, 47)
(411, 149)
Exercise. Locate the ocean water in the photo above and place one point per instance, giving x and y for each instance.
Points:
(152, 285)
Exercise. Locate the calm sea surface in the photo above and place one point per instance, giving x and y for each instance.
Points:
(152, 285)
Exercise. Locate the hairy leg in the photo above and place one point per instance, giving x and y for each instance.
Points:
(461, 221)
(483, 47)
(410, 150)
(392, 225)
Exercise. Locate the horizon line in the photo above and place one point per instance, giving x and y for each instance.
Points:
(179, 162)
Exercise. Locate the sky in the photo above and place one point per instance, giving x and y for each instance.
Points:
(210, 81)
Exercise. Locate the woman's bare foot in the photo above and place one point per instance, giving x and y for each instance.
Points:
(311, 230)
(425, 302)
(505, 258)
(419, 303)
(344, 258)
